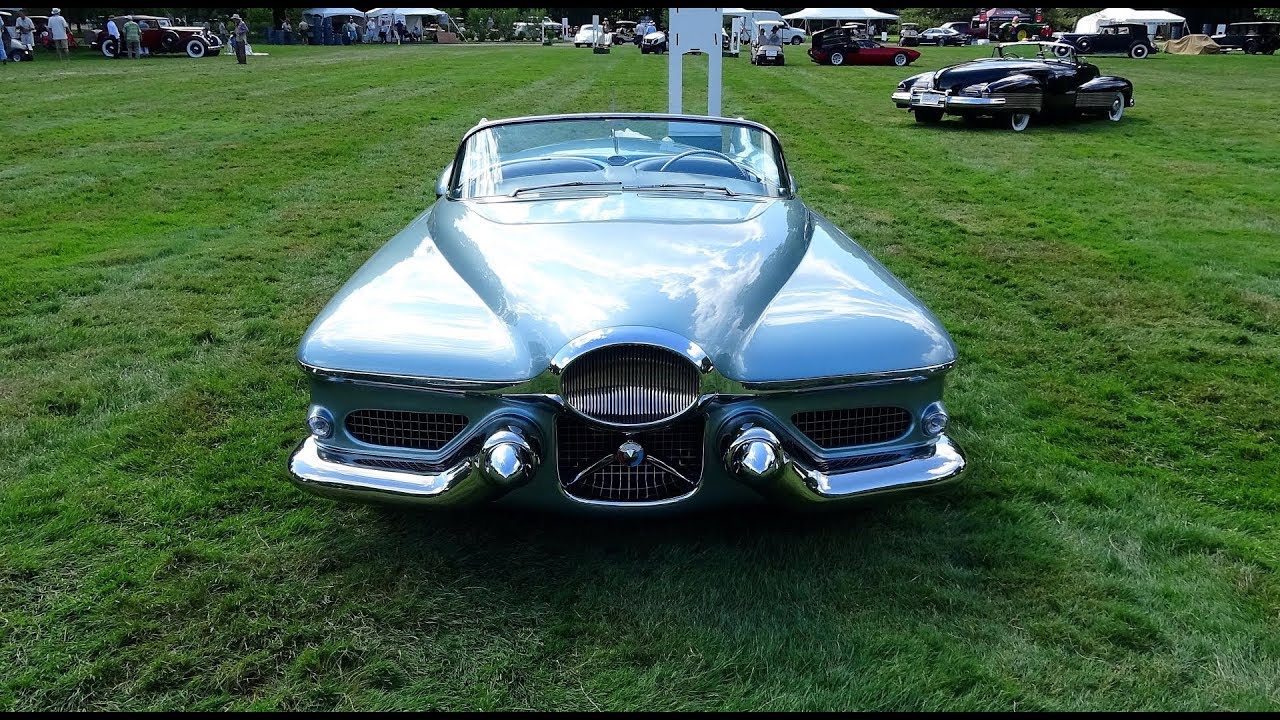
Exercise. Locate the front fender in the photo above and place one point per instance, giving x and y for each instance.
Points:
(1109, 83)
(1015, 84)
(911, 81)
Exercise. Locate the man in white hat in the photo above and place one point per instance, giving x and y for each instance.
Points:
(58, 33)
(242, 38)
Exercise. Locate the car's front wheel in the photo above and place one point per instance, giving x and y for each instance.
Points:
(196, 48)
(797, 40)
(1019, 121)
(1062, 51)
(928, 116)
(837, 58)
(109, 48)
(1084, 44)
(1137, 52)
(1116, 111)
(900, 59)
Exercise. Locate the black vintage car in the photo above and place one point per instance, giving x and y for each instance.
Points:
(1124, 38)
(1251, 37)
(1019, 80)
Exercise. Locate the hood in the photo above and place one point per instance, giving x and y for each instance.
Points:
(490, 291)
(982, 71)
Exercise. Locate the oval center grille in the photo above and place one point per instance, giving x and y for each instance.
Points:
(629, 384)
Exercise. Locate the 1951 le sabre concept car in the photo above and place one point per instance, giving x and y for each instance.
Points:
(1019, 80)
(625, 312)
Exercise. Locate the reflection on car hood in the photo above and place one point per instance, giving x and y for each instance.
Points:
(492, 290)
(981, 71)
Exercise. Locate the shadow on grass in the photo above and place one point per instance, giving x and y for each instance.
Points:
(950, 557)
(997, 126)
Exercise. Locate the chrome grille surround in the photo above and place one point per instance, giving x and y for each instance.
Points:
(591, 471)
(404, 428)
(630, 384)
(852, 427)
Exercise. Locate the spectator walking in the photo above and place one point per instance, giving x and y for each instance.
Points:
(242, 39)
(285, 31)
(58, 33)
(222, 31)
(4, 44)
(133, 39)
(26, 33)
(304, 29)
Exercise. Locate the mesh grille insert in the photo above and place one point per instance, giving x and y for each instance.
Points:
(405, 429)
(853, 426)
(678, 446)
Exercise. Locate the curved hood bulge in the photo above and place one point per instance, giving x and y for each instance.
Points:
(490, 291)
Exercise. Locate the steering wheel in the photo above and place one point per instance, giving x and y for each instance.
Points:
(713, 153)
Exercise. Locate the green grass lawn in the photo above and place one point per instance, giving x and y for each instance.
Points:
(172, 226)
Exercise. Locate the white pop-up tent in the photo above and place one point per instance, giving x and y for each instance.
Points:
(331, 12)
(411, 17)
(1153, 19)
(838, 15)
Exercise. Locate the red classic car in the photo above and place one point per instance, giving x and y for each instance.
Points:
(162, 36)
(843, 46)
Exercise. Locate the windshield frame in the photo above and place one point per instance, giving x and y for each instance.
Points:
(786, 187)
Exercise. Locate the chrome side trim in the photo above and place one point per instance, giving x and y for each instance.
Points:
(712, 382)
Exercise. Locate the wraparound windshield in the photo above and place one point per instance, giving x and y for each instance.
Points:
(573, 155)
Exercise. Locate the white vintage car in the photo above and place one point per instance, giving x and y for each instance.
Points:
(591, 35)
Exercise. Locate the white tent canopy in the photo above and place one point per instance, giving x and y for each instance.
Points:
(840, 14)
(330, 12)
(1110, 16)
(401, 13)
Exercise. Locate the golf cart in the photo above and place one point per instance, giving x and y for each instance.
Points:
(766, 45)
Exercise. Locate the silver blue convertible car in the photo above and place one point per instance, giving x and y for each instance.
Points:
(624, 312)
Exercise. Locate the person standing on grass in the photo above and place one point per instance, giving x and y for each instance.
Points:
(133, 39)
(26, 33)
(113, 32)
(4, 44)
(304, 29)
(242, 39)
(58, 28)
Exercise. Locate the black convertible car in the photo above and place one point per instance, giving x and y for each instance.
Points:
(1019, 80)
(1126, 39)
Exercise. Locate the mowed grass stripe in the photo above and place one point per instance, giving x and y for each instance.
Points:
(1113, 289)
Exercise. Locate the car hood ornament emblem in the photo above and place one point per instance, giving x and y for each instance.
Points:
(630, 453)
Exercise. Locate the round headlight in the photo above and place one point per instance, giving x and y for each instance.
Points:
(320, 423)
(934, 420)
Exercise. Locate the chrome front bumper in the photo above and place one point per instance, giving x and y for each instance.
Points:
(755, 457)
(945, 102)
(758, 458)
(505, 461)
